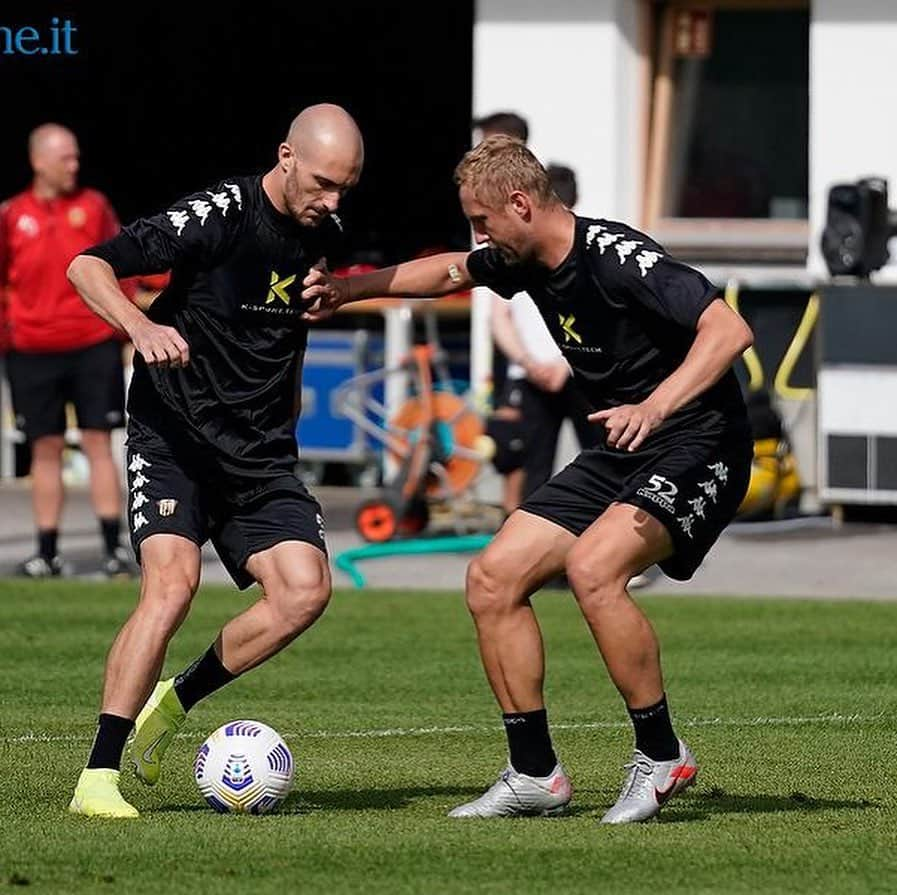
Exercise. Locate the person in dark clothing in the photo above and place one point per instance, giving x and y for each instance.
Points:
(211, 443)
(651, 345)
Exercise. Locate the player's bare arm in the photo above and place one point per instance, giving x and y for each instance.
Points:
(429, 277)
(96, 283)
(722, 336)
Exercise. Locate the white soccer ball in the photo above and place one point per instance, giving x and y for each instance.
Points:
(244, 767)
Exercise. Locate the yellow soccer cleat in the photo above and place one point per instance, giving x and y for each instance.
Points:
(97, 795)
(156, 725)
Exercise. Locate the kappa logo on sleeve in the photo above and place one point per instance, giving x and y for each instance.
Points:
(220, 200)
(599, 235)
(200, 209)
(234, 190)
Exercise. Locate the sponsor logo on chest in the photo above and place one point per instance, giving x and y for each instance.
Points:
(572, 338)
(281, 297)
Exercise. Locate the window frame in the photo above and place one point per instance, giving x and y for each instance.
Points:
(713, 239)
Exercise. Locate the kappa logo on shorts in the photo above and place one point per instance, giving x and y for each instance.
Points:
(661, 491)
(138, 463)
(139, 500)
(720, 471)
(698, 505)
(167, 506)
(138, 481)
(710, 489)
(139, 521)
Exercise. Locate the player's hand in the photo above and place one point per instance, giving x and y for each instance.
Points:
(160, 345)
(629, 424)
(549, 376)
(323, 292)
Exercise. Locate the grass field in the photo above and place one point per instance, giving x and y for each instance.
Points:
(790, 707)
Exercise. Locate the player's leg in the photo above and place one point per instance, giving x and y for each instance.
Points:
(526, 552)
(620, 544)
(37, 383)
(105, 493)
(168, 525)
(279, 544)
(98, 394)
(47, 498)
(295, 580)
(171, 571)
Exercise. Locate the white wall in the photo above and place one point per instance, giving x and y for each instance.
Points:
(853, 106)
(570, 68)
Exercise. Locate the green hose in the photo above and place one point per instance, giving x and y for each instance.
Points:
(346, 560)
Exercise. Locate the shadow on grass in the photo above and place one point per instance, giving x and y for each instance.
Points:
(701, 805)
(371, 799)
(314, 801)
(305, 801)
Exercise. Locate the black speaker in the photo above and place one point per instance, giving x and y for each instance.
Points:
(857, 228)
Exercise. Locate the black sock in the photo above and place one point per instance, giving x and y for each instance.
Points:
(46, 542)
(530, 743)
(204, 676)
(654, 731)
(111, 529)
(109, 742)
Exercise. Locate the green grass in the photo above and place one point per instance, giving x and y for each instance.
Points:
(790, 707)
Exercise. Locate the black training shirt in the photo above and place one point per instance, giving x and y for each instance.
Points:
(624, 315)
(237, 268)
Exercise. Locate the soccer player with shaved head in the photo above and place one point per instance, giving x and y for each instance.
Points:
(211, 431)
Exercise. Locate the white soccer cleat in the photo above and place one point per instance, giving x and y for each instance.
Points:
(519, 795)
(650, 784)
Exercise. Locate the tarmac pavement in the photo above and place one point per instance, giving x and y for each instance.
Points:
(799, 558)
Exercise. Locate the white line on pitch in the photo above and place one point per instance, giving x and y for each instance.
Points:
(838, 718)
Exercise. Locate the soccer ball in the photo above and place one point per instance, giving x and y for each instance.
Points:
(244, 767)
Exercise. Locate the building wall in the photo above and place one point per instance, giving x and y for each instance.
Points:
(853, 97)
(571, 68)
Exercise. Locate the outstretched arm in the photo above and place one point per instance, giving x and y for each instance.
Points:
(423, 278)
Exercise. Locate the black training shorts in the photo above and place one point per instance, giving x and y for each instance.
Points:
(169, 492)
(691, 482)
(91, 378)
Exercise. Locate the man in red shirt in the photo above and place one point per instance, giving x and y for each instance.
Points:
(60, 351)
